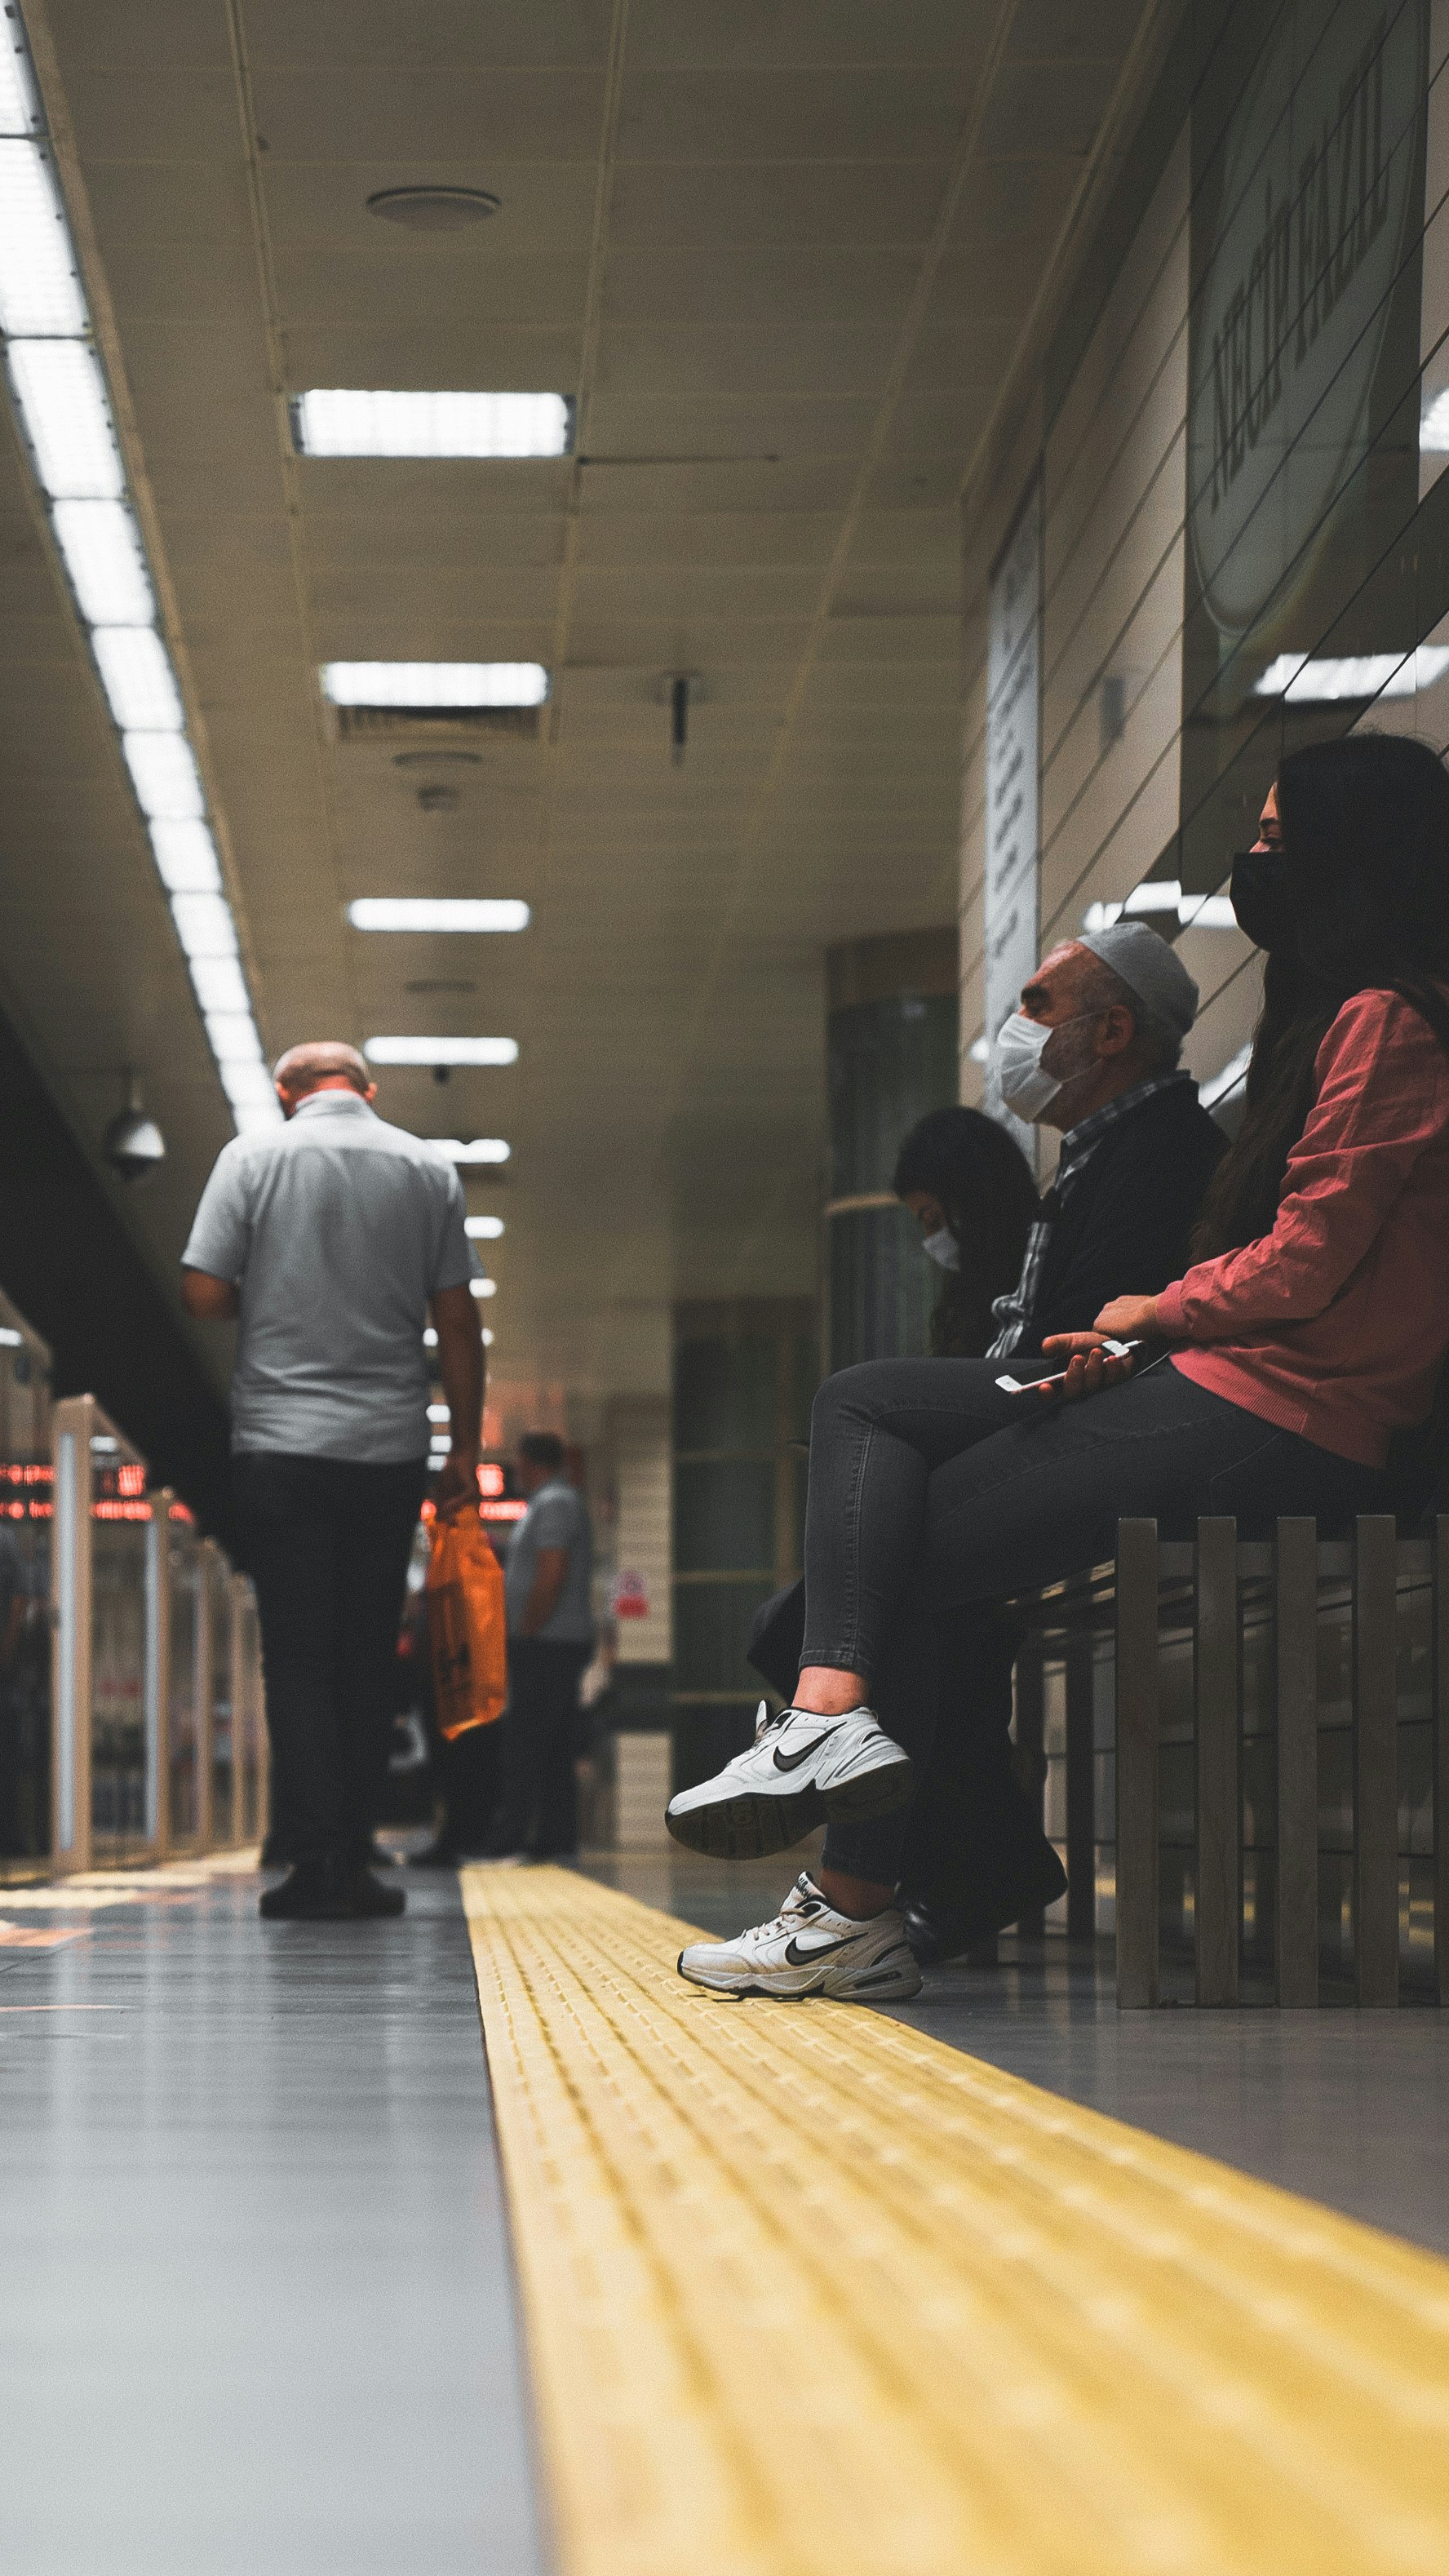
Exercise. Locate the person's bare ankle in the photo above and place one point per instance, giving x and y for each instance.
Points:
(860, 1898)
(824, 1692)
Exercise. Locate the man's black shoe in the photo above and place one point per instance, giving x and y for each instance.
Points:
(937, 1932)
(329, 1891)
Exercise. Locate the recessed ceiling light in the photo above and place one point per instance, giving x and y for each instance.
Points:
(441, 1050)
(137, 677)
(482, 1287)
(1312, 682)
(435, 684)
(483, 1229)
(438, 912)
(40, 295)
(61, 398)
(164, 775)
(433, 210)
(336, 420)
(101, 551)
(474, 1149)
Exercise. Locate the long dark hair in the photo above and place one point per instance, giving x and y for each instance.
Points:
(985, 1186)
(1365, 825)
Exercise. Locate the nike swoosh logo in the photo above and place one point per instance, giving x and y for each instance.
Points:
(792, 1761)
(795, 1957)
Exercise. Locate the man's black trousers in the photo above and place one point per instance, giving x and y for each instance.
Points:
(326, 1542)
(538, 1810)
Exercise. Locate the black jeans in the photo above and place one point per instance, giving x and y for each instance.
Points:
(538, 1809)
(931, 1490)
(326, 1542)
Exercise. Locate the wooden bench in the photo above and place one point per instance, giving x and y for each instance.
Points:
(1248, 1742)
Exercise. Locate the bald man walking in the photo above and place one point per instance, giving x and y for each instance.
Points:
(330, 1239)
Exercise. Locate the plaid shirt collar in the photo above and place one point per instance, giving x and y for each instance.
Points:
(1014, 1311)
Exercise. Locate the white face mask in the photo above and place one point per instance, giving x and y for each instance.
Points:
(1024, 1086)
(942, 1248)
(1021, 1043)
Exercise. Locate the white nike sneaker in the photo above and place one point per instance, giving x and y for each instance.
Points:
(809, 1949)
(801, 1771)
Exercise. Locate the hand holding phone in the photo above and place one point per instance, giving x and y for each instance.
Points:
(1047, 1385)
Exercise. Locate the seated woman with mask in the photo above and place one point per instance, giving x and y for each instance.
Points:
(970, 1189)
(1311, 1326)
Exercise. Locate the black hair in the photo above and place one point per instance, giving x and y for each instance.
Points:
(542, 1449)
(988, 1196)
(1365, 825)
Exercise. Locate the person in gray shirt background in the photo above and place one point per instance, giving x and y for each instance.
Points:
(330, 1239)
(550, 1641)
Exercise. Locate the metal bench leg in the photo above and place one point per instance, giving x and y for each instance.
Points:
(1137, 1706)
(1216, 1644)
(1295, 1604)
(1376, 1781)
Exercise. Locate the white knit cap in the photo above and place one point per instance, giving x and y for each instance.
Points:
(1149, 968)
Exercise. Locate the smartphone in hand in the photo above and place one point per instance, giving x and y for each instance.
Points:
(1033, 1385)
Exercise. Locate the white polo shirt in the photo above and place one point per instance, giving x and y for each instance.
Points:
(336, 1229)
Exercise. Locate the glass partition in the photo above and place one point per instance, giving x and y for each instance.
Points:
(223, 1768)
(26, 1487)
(124, 1715)
(184, 1679)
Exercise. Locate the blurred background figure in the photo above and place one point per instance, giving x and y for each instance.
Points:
(550, 1643)
(970, 1189)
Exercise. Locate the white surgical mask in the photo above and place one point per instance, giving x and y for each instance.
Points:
(942, 1248)
(1024, 1086)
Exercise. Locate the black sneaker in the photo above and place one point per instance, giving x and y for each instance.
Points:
(329, 1891)
(938, 1929)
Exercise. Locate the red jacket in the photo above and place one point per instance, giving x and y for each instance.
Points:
(1335, 1325)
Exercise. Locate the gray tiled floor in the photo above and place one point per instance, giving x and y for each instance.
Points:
(1350, 2108)
(257, 2314)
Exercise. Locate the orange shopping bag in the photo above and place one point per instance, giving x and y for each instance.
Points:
(466, 1622)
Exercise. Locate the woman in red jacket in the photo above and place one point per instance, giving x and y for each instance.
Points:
(1313, 1328)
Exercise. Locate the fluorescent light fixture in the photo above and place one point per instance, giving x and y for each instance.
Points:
(61, 397)
(435, 684)
(10, 1340)
(430, 1339)
(40, 294)
(441, 1050)
(204, 925)
(333, 421)
(219, 984)
(1164, 895)
(19, 107)
(482, 1287)
(487, 1337)
(138, 680)
(58, 388)
(980, 1050)
(1302, 681)
(1434, 427)
(475, 1149)
(234, 1038)
(438, 912)
(440, 1413)
(101, 550)
(440, 1443)
(185, 856)
(164, 775)
(483, 1229)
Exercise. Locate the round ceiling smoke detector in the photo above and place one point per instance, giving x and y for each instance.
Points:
(433, 210)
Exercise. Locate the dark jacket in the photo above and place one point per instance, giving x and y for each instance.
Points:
(1124, 1229)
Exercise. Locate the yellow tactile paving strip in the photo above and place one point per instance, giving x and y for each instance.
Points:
(806, 2291)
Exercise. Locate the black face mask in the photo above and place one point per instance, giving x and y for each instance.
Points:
(1258, 893)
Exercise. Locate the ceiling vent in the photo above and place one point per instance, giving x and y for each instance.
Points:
(441, 727)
